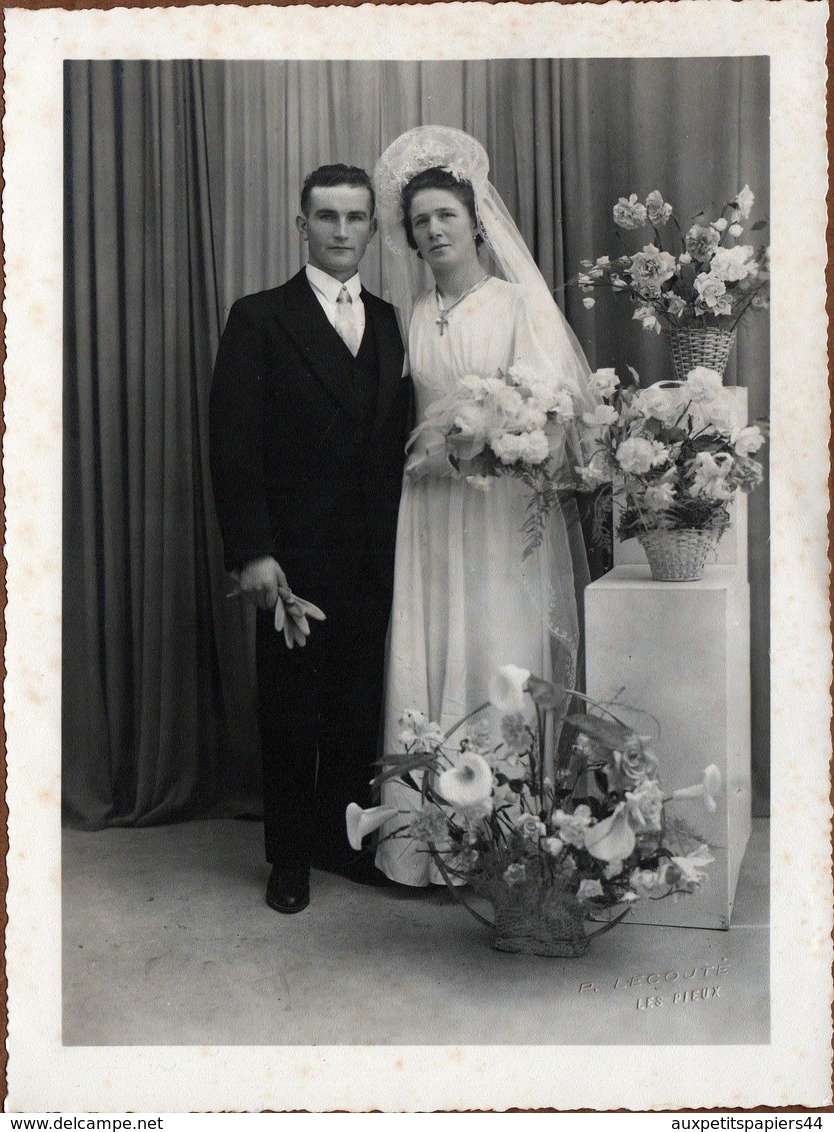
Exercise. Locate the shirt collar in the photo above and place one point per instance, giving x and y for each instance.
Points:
(331, 287)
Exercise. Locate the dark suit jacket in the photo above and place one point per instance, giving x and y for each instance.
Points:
(304, 466)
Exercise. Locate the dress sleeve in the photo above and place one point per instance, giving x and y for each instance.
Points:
(545, 342)
(546, 347)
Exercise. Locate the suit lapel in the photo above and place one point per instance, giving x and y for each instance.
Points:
(389, 358)
(303, 319)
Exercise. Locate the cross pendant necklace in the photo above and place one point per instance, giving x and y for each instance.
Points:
(443, 320)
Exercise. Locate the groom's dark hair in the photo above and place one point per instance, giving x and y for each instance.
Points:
(328, 176)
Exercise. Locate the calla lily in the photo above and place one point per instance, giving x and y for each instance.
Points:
(507, 692)
(361, 822)
(707, 789)
(468, 782)
(611, 839)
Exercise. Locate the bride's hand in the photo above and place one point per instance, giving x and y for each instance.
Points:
(430, 459)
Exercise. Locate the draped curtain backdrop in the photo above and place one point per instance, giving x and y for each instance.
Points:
(182, 183)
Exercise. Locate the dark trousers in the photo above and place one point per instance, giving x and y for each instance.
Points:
(320, 709)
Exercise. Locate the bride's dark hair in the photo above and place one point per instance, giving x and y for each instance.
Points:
(437, 178)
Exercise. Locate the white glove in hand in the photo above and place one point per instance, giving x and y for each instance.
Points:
(291, 618)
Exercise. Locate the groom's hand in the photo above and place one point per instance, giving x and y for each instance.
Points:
(263, 581)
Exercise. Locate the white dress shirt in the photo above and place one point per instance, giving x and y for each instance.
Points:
(326, 289)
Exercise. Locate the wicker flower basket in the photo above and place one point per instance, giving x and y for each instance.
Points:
(677, 556)
(696, 346)
(532, 919)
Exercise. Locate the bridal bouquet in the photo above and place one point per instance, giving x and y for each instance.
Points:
(549, 850)
(674, 452)
(710, 280)
(509, 424)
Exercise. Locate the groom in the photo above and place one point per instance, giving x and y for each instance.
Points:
(309, 418)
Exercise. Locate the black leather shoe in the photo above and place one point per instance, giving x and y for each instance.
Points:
(288, 890)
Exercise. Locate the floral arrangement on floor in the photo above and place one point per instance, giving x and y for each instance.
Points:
(673, 450)
(550, 849)
(711, 281)
(510, 424)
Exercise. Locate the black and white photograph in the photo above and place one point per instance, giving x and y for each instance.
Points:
(428, 644)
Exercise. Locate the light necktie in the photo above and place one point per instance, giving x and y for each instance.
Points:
(345, 322)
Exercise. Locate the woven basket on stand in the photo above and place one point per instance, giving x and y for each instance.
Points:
(696, 346)
(533, 919)
(677, 556)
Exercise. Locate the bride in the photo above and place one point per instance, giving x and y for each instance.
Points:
(465, 599)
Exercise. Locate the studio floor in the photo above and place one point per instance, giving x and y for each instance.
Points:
(167, 941)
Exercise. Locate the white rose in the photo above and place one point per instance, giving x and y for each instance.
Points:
(544, 395)
(657, 210)
(720, 413)
(529, 448)
(529, 826)
(507, 397)
(701, 243)
(647, 316)
(475, 422)
(476, 385)
(657, 403)
(744, 202)
(675, 305)
(602, 415)
(650, 269)
(733, 264)
(648, 882)
(629, 213)
(571, 827)
(561, 403)
(703, 384)
(710, 289)
(659, 497)
(710, 476)
(636, 455)
(515, 874)
(604, 382)
(645, 807)
(747, 440)
(530, 417)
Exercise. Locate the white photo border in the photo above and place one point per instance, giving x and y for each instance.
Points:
(795, 1068)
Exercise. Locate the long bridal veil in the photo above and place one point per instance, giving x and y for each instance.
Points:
(557, 354)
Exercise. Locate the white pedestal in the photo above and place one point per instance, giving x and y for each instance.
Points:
(681, 651)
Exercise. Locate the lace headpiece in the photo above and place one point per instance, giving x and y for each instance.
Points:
(426, 147)
(465, 158)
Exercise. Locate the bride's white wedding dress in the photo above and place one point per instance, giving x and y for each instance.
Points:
(465, 599)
